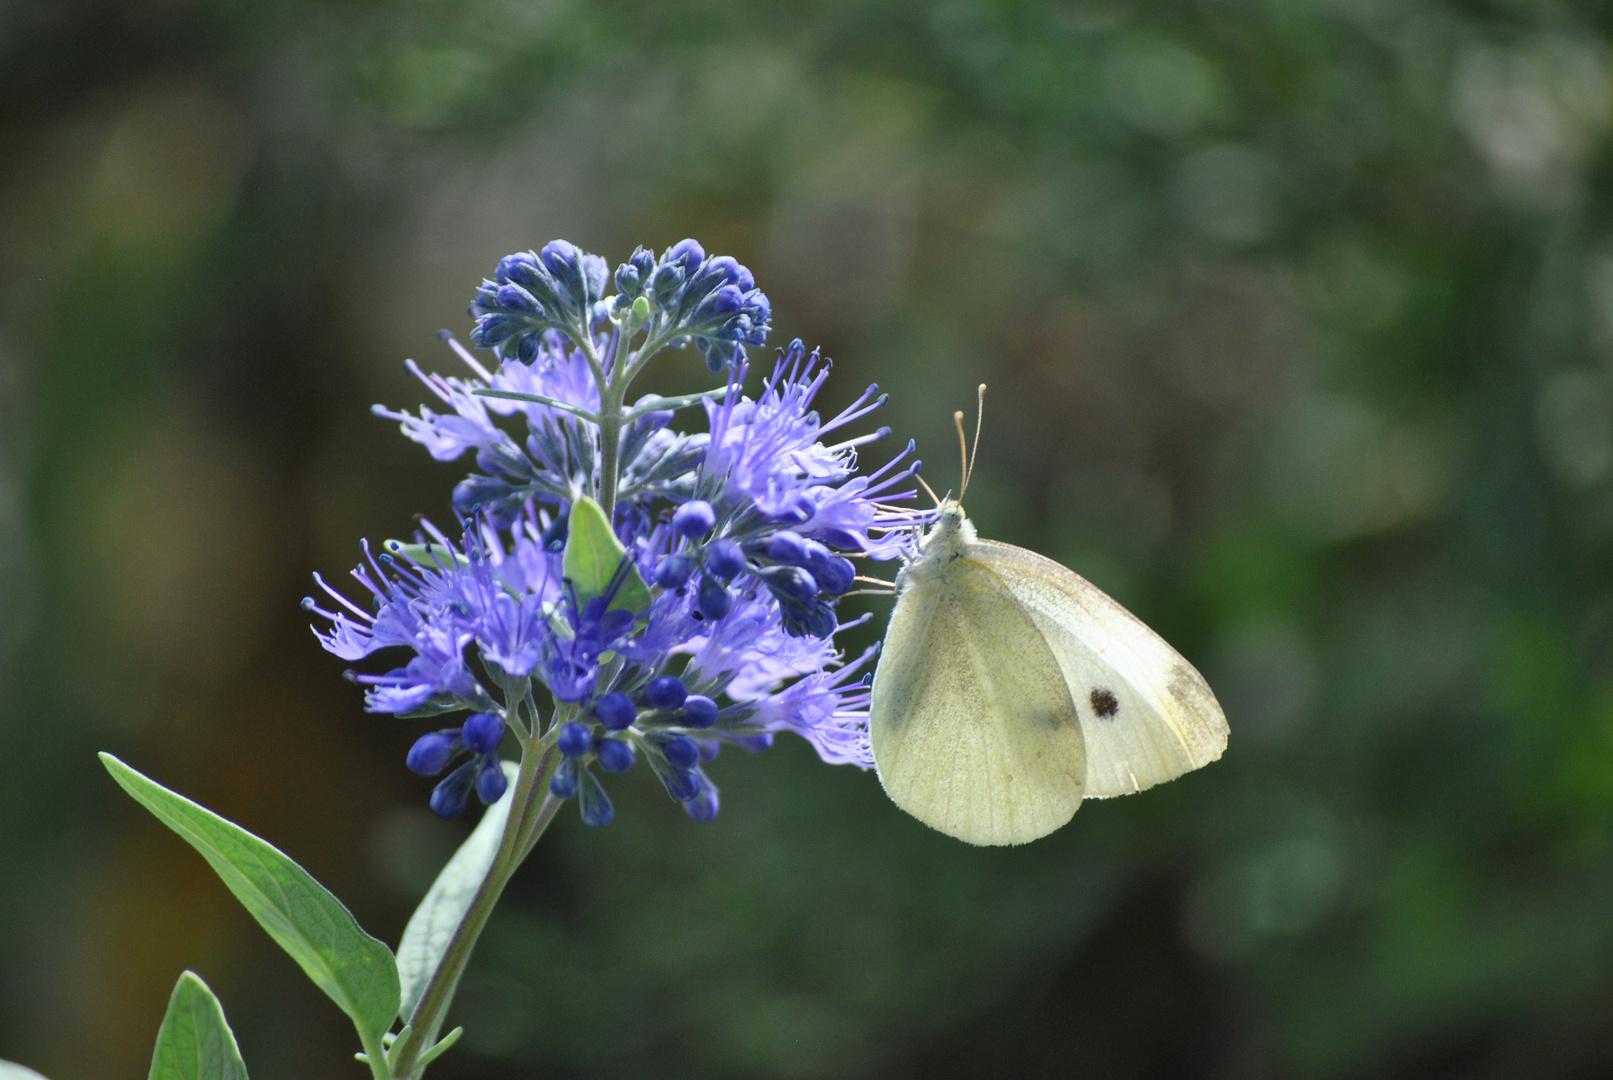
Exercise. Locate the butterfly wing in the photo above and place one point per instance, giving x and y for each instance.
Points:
(971, 722)
(1147, 715)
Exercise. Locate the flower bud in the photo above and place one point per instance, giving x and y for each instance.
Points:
(790, 583)
(491, 785)
(616, 711)
(713, 600)
(666, 692)
(482, 732)
(681, 752)
(837, 576)
(563, 785)
(615, 755)
(674, 571)
(724, 558)
(686, 253)
(575, 739)
(703, 807)
(448, 797)
(595, 805)
(430, 753)
(694, 518)
(683, 785)
(699, 711)
(786, 546)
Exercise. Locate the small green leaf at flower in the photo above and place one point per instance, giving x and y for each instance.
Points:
(433, 922)
(593, 555)
(195, 1041)
(319, 933)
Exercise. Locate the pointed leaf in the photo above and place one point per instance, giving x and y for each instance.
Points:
(433, 922)
(355, 969)
(195, 1041)
(593, 555)
(12, 1071)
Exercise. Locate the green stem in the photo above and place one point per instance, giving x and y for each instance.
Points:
(375, 1056)
(529, 813)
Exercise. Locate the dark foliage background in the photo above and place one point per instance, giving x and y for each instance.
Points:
(1298, 318)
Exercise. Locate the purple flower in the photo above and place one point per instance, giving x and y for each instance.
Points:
(719, 619)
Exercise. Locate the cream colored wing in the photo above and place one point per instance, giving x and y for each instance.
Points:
(972, 726)
(1147, 715)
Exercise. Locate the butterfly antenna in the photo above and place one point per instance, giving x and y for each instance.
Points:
(963, 452)
(928, 489)
(966, 451)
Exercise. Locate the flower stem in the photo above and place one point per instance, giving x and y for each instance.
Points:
(530, 813)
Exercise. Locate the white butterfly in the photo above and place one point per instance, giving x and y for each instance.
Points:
(1010, 688)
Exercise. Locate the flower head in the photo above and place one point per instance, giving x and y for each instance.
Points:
(699, 610)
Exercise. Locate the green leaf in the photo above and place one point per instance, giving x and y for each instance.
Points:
(11, 1071)
(593, 555)
(195, 1041)
(356, 970)
(433, 922)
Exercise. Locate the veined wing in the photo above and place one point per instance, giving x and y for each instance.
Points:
(972, 727)
(1147, 714)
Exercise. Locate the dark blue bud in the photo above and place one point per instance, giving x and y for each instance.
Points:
(666, 692)
(686, 253)
(559, 257)
(563, 785)
(761, 309)
(482, 732)
(615, 755)
(430, 753)
(616, 711)
(694, 518)
(491, 785)
(713, 601)
(725, 265)
(681, 752)
(836, 576)
(666, 281)
(699, 711)
(674, 571)
(790, 583)
(515, 298)
(492, 329)
(575, 739)
(786, 547)
(595, 805)
(745, 280)
(682, 785)
(515, 267)
(703, 807)
(724, 300)
(709, 749)
(724, 558)
(448, 798)
(526, 350)
(819, 563)
(628, 283)
(643, 261)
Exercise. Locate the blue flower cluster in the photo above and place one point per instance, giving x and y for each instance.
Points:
(679, 296)
(676, 599)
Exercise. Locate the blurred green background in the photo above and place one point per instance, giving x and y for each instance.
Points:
(1298, 316)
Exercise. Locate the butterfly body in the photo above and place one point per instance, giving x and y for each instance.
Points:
(1011, 689)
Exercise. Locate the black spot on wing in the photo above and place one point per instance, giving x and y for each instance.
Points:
(1104, 703)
